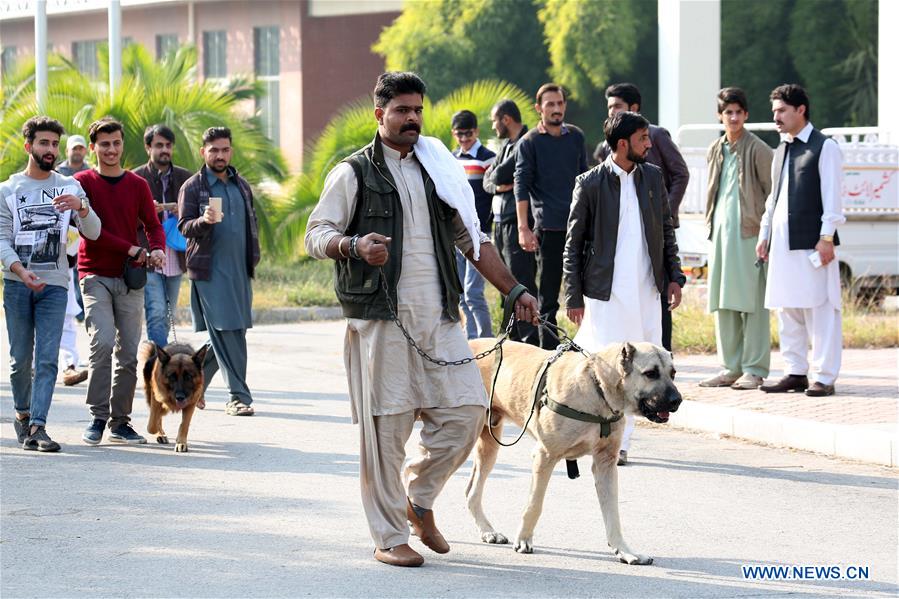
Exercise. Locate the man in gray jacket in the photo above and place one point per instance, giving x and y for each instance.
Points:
(36, 207)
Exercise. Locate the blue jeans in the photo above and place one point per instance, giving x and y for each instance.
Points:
(34, 323)
(473, 303)
(158, 325)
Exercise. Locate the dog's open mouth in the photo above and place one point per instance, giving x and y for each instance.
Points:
(658, 417)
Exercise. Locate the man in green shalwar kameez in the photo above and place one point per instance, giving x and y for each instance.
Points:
(739, 183)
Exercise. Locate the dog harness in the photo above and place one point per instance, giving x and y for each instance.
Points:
(542, 398)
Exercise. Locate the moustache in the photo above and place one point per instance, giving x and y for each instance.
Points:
(410, 127)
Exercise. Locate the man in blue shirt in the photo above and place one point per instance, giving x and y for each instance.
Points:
(475, 159)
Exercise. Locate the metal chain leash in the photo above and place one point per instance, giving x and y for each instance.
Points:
(566, 344)
(412, 343)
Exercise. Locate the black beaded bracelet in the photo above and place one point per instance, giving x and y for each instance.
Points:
(354, 254)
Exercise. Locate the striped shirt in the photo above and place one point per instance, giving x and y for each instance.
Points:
(475, 162)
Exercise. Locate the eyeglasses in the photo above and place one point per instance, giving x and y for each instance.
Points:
(463, 133)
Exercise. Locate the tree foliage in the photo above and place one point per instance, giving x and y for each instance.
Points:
(827, 46)
(453, 42)
(355, 126)
(588, 41)
(150, 92)
(748, 41)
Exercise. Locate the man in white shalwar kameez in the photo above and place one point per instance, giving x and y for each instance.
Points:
(400, 232)
(799, 226)
(620, 247)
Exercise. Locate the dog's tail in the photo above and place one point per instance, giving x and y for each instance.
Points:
(146, 352)
(146, 355)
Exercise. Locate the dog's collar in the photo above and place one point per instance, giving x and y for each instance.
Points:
(540, 394)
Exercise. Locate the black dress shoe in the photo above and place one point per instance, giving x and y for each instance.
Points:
(819, 390)
(791, 382)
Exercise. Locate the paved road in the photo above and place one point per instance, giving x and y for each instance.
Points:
(269, 507)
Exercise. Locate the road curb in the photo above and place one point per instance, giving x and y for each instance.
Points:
(279, 315)
(865, 443)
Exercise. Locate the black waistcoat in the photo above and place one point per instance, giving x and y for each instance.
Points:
(378, 210)
(805, 205)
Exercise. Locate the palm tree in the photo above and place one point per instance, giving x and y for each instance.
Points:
(355, 126)
(150, 92)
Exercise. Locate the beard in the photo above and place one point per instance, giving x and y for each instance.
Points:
(634, 157)
(162, 160)
(218, 166)
(42, 161)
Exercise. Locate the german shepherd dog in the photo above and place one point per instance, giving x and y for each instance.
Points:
(173, 382)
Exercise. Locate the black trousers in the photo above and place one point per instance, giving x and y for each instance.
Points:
(524, 268)
(551, 245)
(666, 319)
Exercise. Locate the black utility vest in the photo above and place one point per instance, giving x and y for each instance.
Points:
(805, 206)
(378, 210)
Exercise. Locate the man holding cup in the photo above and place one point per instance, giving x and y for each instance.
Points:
(216, 215)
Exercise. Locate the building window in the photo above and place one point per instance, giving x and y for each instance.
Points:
(165, 43)
(8, 59)
(84, 54)
(266, 61)
(215, 63)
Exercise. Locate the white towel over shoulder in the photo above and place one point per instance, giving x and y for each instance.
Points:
(451, 183)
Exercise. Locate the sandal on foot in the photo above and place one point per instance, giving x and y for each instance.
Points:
(235, 407)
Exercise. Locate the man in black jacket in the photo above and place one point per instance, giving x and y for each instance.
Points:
(620, 251)
(498, 181)
(663, 153)
(165, 180)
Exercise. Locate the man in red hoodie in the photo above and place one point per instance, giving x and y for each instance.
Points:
(113, 312)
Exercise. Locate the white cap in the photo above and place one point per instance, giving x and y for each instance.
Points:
(74, 141)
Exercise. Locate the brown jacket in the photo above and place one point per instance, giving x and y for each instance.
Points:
(754, 171)
(192, 202)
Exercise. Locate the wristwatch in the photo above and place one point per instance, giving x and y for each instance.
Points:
(84, 204)
(827, 238)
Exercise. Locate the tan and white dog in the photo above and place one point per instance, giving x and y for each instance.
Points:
(623, 378)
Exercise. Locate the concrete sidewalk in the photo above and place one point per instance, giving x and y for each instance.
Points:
(859, 422)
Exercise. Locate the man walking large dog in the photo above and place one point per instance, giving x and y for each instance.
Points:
(394, 252)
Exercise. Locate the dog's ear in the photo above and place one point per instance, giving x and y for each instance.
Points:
(626, 358)
(199, 356)
(162, 355)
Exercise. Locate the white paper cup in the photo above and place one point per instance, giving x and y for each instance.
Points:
(216, 205)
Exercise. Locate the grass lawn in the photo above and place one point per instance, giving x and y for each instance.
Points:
(308, 282)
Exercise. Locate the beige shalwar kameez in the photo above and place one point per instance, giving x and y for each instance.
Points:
(390, 385)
